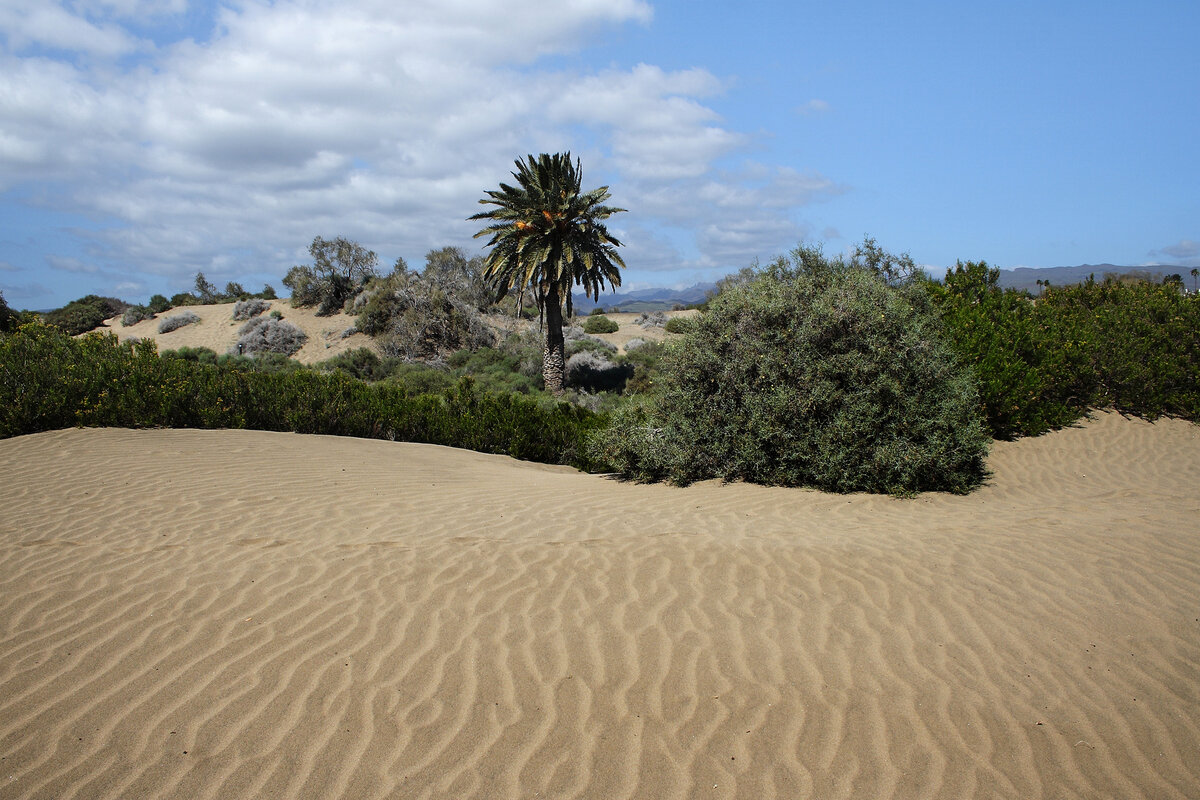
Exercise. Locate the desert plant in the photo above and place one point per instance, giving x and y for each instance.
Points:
(651, 319)
(589, 371)
(547, 235)
(826, 377)
(413, 316)
(266, 335)
(176, 322)
(245, 309)
(339, 271)
(678, 325)
(135, 314)
(600, 324)
(158, 304)
(85, 314)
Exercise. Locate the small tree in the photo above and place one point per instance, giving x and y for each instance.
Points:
(206, 291)
(340, 269)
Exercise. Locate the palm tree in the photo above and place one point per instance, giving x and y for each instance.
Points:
(547, 235)
(1195, 279)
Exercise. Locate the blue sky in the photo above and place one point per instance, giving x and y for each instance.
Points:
(142, 141)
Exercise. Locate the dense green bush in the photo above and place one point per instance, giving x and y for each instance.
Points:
(1042, 363)
(826, 377)
(678, 325)
(85, 314)
(158, 304)
(49, 380)
(598, 323)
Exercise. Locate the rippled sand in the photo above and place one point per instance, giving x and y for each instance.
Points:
(220, 614)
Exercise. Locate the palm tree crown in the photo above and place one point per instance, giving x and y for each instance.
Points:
(546, 236)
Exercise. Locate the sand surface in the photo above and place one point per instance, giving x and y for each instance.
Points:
(218, 330)
(239, 614)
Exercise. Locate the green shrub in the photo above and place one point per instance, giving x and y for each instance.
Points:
(178, 321)
(598, 323)
(49, 380)
(8, 317)
(1042, 363)
(158, 304)
(85, 314)
(598, 311)
(185, 299)
(826, 377)
(678, 325)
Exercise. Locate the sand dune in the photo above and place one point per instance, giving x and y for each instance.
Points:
(217, 330)
(218, 614)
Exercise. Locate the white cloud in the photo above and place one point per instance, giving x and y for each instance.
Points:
(814, 106)
(1181, 250)
(379, 121)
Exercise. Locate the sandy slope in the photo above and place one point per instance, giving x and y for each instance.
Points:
(243, 614)
(217, 330)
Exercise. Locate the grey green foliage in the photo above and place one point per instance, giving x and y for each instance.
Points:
(268, 335)
(413, 315)
(811, 372)
(245, 309)
(135, 314)
(178, 321)
(339, 270)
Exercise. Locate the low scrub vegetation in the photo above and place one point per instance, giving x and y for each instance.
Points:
(268, 335)
(598, 323)
(1043, 362)
(178, 321)
(49, 380)
(85, 314)
(246, 309)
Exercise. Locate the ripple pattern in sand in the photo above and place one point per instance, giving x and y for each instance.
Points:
(381, 620)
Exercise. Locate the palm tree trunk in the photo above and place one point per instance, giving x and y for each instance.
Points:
(554, 355)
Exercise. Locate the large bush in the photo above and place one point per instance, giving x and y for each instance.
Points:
(339, 270)
(812, 372)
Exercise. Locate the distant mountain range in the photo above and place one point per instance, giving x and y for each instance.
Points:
(1027, 277)
(645, 299)
(1019, 278)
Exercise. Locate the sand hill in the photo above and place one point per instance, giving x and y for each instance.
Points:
(229, 614)
(327, 336)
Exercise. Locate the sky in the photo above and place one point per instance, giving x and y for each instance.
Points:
(143, 141)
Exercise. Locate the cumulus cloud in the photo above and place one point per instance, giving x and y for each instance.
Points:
(379, 121)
